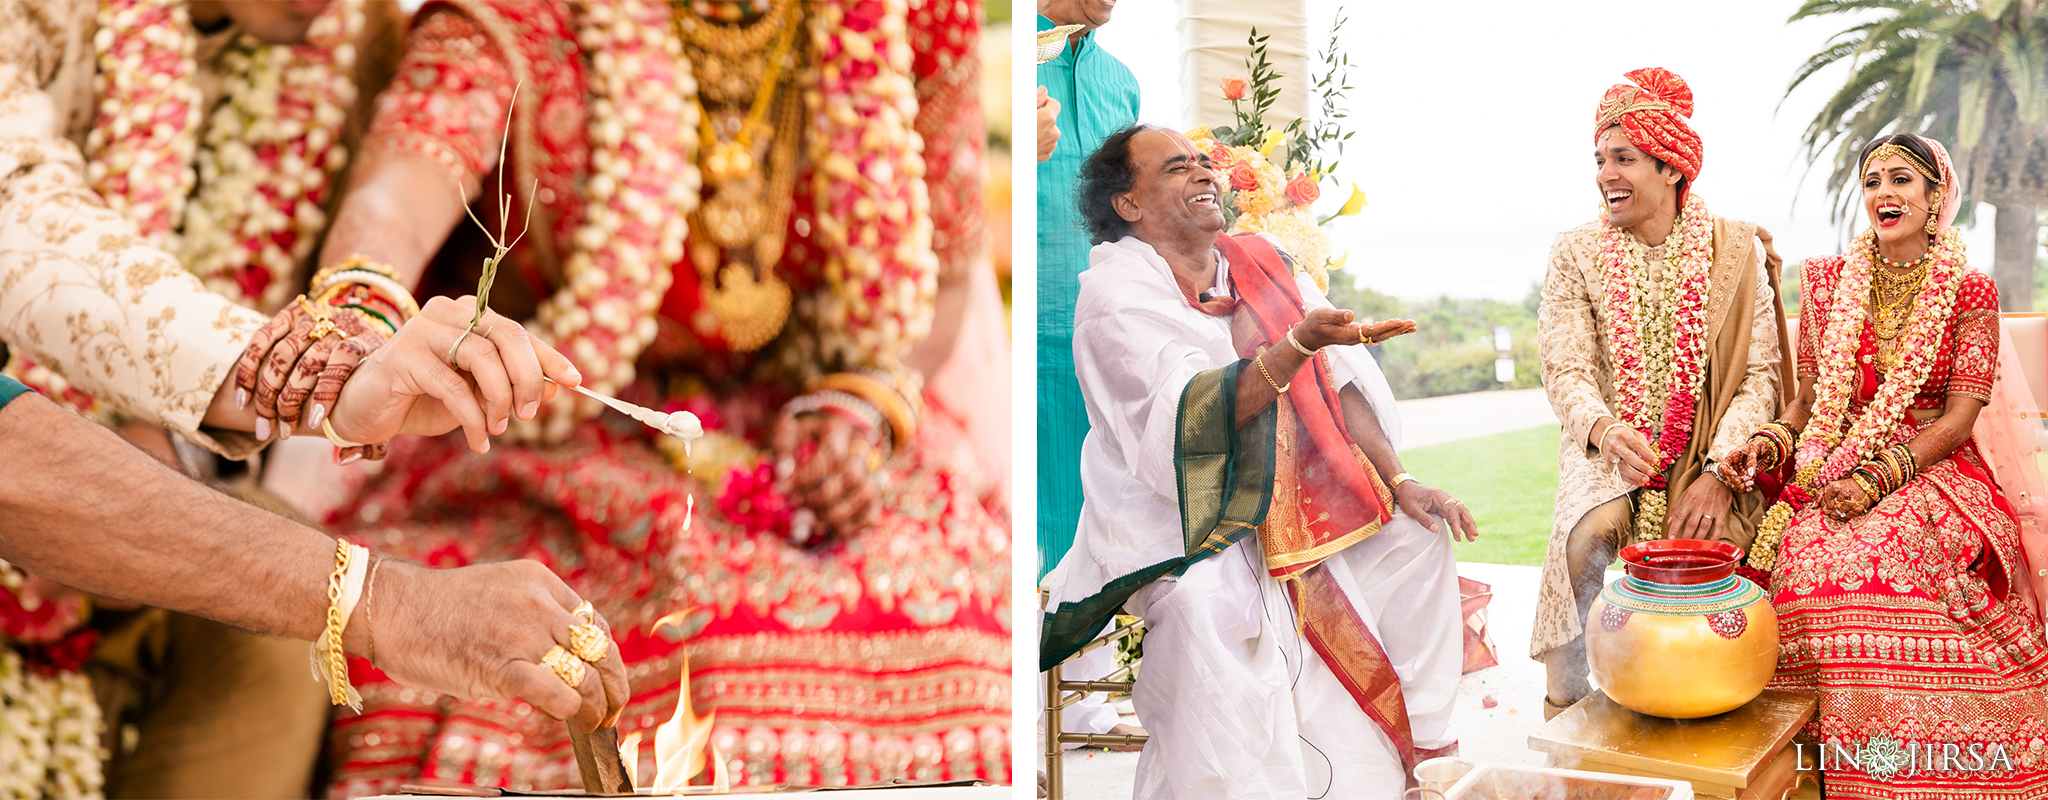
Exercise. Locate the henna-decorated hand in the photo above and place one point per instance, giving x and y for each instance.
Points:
(832, 470)
(284, 366)
(1842, 500)
(1738, 470)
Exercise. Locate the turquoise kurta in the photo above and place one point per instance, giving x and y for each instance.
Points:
(1098, 96)
(11, 388)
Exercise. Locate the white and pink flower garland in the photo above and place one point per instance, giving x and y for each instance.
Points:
(643, 185)
(270, 149)
(1619, 261)
(867, 179)
(873, 216)
(1825, 454)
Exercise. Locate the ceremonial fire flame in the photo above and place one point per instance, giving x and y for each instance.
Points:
(680, 744)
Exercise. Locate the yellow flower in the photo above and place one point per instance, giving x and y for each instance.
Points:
(1339, 262)
(1201, 134)
(1353, 205)
(1273, 139)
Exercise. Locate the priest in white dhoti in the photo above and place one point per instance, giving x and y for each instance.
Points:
(1303, 633)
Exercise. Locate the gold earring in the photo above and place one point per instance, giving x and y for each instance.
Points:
(1933, 203)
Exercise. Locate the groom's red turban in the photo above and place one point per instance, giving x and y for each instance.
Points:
(1655, 114)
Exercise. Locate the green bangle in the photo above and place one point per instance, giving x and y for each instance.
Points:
(390, 329)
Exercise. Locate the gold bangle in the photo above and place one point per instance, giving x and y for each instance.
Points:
(1869, 489)
(1259, 361)
(327, 429)
(895, 410)
(1297, 346)
(1398, 480)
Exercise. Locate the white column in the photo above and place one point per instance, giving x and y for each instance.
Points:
(1212, 37)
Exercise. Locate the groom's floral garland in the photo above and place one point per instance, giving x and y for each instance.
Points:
(1824, 454)
(270, 148)
(1620, 260)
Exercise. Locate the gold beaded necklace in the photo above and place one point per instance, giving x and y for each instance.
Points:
(741, 224)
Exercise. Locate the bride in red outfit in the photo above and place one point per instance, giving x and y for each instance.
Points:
(754, 210)
(1895, 553)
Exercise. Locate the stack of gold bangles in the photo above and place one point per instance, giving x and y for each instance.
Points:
(370, 289)
(1781, 441)
(1887, 471)
(895, 397)
(587, 644)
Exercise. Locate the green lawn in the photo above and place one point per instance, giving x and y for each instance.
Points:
(1509, 481)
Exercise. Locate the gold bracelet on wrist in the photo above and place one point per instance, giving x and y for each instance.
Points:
(1260, 362)
(327, 653)
(1399, 479)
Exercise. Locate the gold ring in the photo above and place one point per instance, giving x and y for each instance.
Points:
(585, 613)
(322, 316)
(589, 643)
(567, 667)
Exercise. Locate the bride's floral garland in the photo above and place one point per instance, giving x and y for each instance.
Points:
(872, 217)
(270, 148)
(1824, 454)
(1620, 260)
(867, 176)
(643, 185)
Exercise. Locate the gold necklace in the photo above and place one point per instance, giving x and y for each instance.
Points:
(1890, 304)
(740, 225)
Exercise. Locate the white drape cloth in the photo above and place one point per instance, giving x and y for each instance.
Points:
(1237, 702)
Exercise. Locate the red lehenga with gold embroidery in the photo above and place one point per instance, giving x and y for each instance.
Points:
(883, 655)
(1909, 621)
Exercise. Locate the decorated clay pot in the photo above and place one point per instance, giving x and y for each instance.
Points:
(1681, 636)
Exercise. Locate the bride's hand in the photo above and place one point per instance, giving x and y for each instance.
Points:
(1738, 469)
(407, 387)
(1842, 500)
(835, 480)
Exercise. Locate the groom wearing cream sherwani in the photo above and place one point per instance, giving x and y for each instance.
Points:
(1687, 300)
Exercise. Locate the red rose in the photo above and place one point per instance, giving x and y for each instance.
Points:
(1233, 88)
(1243, 179)
(1303, 190)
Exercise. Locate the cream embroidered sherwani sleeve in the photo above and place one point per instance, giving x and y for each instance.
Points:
(1574, 372)
(1756, 403)
(80, 291)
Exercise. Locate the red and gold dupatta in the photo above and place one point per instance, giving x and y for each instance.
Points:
(1326, 496)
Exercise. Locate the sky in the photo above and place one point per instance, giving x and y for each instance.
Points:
(1473, 120)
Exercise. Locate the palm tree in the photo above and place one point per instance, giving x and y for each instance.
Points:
(1970, 73)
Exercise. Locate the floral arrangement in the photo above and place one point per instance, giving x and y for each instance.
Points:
(1274, 193)
(1827, 452)
(1679, 358)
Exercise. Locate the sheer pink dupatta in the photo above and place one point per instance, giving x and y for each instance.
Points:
(2007, 430)
(2007, 434)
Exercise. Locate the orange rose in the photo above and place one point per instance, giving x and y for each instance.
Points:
(1243, 178)
(1233, 88)
(1303, 190)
